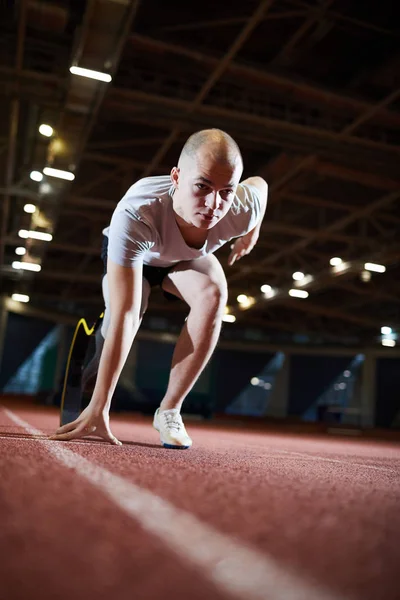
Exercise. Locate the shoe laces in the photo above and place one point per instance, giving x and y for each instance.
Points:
(172, 419)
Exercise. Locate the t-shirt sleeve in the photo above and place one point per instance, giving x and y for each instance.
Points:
(129, 238)
(245, 212)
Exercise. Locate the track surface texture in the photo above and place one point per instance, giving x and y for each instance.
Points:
(243, 514)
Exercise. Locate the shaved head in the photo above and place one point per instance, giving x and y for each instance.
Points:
(216, 143)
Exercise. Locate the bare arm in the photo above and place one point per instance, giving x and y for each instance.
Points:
(125, 286)
(246, 243)
(262, 187)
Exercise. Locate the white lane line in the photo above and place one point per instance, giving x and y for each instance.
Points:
(235, 568)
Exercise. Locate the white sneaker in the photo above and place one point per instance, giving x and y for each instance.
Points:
(171, 428)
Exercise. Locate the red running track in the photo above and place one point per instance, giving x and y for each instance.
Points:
(318, 516)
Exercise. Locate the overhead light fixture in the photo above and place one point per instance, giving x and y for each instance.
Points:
(25, 266)
(298, 276)
(229, 318)
(20, 297)
(90, 74)
(335, 261)
(298, 293)
(266, 289)
(46, 130)
(35, 235)
(36, 175)
(254, 381)
(388, 342)
(245, 301)
(386, 330)
(375, 268)
(59, 173)
(29, 208)
(20, 250)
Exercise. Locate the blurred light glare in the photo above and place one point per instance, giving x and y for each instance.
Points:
(298, 293)
(341, 267)
(254, 381)
(20, 250)
(386, 330)
(266, 289)
(46, 130)
(267, 386)
(229, 318)
(389, 343)
(346, 373)
(20, 297)
(242, 298)
(298, 276)
(29, 208)
(335, 261)
(365, 276)
(36, 175)
(375, 267)
(45, 188)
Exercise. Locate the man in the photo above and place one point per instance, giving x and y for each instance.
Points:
(164, 232)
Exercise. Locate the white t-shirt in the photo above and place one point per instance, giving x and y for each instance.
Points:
(143, 227)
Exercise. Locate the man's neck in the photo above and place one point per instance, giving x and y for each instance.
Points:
(193, 236)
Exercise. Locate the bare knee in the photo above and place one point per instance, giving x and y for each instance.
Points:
(211, 299)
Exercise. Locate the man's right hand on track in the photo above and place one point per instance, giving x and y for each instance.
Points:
(90, 422)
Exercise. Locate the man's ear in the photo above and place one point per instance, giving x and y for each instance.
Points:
(175, 177)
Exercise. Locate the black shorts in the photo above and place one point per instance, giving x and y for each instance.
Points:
(154, 275)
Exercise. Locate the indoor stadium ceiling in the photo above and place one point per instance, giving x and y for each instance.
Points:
(311, 92)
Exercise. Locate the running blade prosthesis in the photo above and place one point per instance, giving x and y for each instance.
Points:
(71, 396)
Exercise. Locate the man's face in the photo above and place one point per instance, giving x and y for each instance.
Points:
(204, 190)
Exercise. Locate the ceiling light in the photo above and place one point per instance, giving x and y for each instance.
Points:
(298, 293)
(35, 235)
(91, 74)
(266, 289)
(59, 174)
(242, 298)
(20, 250)
(335, 261)
(254, 381)
(374, 267)
(246, 302)
(386, 330)
(29, 208)
(298, 275)
(36, 175)
(389, 343)
(20, 297)
(46, 130)
(229, 318)
(25, 266)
